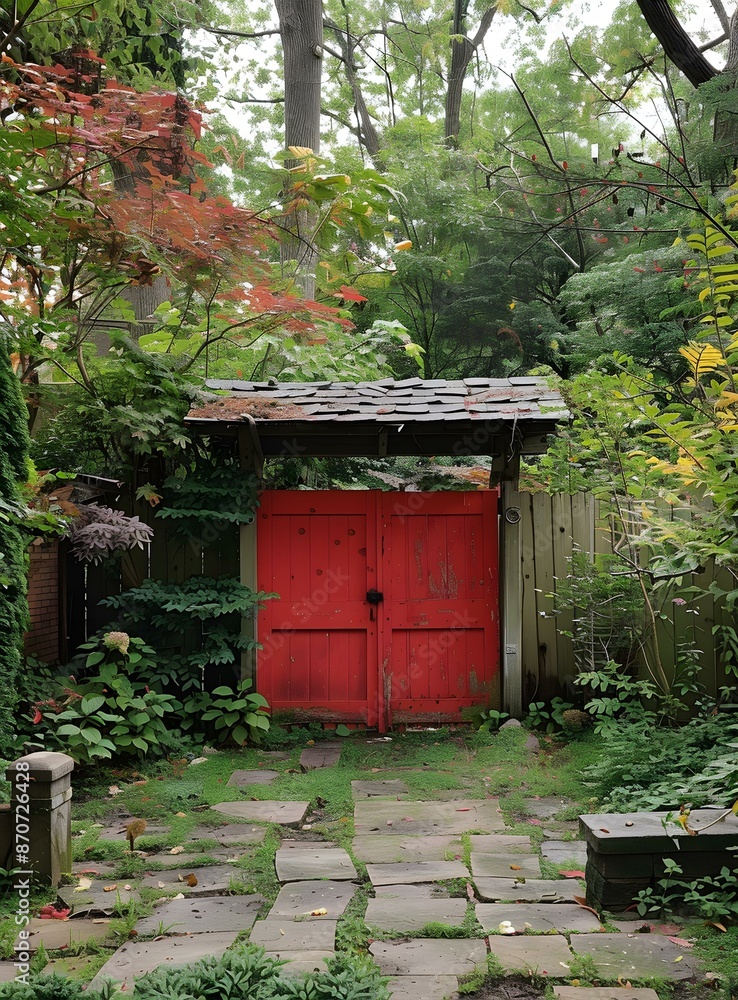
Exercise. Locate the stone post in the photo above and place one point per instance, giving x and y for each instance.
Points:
(41, 814)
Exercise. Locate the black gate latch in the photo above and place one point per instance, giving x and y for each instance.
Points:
(374, 597)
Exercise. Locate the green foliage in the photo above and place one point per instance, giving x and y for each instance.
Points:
(197, 622)
(548, 716)
(107, 712)
(246, 973)
(13, 608)
(710, 897)
(647, 767)
(229, 715)
(51, 987)
(211, 496)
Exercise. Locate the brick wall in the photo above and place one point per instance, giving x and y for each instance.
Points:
(42, 640)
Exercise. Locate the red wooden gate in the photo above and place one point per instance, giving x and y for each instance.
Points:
(426, 649)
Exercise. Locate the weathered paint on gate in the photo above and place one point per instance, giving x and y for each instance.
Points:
(429, 648)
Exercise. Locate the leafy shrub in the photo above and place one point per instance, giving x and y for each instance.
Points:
(98, 532)
(52, 987)
(246, 973)
(200, 620)
(643, 766)
(108, 712)
(237, 715)
(13, 608)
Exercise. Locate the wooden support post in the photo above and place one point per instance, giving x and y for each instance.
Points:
(511, 583)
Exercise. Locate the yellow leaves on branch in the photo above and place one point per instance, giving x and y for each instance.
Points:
(702, 358)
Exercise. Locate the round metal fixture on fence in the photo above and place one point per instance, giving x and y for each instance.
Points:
(512, 515)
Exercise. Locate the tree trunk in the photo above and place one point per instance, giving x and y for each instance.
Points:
(301, 32)
(677, 44)
(366, 133)
(462, 50)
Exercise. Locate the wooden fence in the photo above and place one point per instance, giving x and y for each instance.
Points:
(169, 557)
(553, 527)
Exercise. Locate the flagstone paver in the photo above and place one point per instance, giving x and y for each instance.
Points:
(562, 917)
(532, 890)
(421, 890)
(413, 913)
(300, 898)
(389, 788)
(302, 961)
(8, 972)
(72, 965)
(206, 916)
(96, 900)
(284, 813)
(117, 831)
(287, 934)
(500, 843)
(307, 861)
(135, 958)
(429, 956)
(545, 954)
(423, 987)
(415, 871)
(604, 993)
(238, 834)
(505, 865)
(257, 777)
(222, 855)
(380, 848)
(422, 818)
(560, 851)
(546, 807)
(64, 933)
(211, 880)
(636, 956)
(325, 755)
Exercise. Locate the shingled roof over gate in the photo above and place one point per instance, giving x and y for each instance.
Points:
(415, 416)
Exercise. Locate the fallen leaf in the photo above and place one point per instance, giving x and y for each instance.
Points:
(180, 815)
(603, 829)
(84, 883)
(110, 888)
(101, 920)
(177, 850)
(161, 885)
(464, 809)
(114, 790)
(681, 942)
(390, 823)
(319, 913)
(716, 925)
(89, 871)
(375, 770)
(679, 958)
(408, 819)
(281, 931)
(180, 895)
(470, 891)
(581, 901)
(625, 985)
(535, 822)
(574, 873)
(191, 880)
(516, 868)
(143, 781)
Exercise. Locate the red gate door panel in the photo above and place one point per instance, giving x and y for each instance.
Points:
(439, 637)
(317, 551)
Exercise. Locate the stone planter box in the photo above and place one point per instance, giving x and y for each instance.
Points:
(626, 852)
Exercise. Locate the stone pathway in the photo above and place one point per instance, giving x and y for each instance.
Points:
(446, 862)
